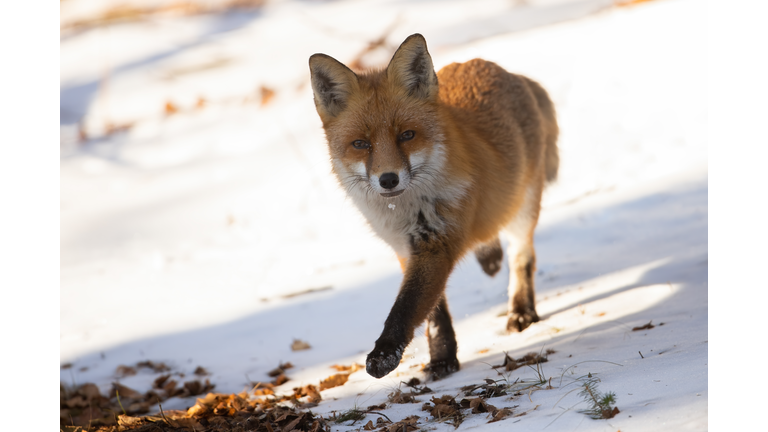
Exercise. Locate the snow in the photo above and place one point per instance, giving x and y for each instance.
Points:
(183, 237)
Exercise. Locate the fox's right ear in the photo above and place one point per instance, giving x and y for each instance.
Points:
(411, 68)
(332, 83)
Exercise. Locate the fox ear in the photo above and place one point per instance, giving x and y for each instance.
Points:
(332, 83)
(411, 67)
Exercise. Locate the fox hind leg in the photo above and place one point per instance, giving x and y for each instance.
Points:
(442, 342)
(521, 255)
(522, 305)
(489, 255)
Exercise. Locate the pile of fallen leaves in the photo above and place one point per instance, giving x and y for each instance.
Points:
(214, 412)
(261, 410)
(220, 412)
(84, 405)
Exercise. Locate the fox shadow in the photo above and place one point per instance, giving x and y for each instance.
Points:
(667, 226)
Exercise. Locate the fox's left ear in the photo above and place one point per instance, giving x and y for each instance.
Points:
(411, 67)
(332, 84)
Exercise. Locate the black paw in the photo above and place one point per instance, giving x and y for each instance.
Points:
(518, 322)
(441, 368)
(383, 359)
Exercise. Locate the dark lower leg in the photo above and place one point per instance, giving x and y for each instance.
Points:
(420, 292)
(522, 310)
(442, 342)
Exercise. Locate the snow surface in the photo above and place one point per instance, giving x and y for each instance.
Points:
(182, 237)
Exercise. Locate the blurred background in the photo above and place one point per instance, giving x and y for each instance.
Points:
(196, 189)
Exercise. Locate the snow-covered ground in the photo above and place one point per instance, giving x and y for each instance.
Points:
(183, 236)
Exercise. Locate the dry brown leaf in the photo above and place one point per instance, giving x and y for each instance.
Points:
(125, 392)
(160, 381)
(500, 414)
(354, 367)
(529, 359)
(444, 408)
(76, 401)
(112, 128)
(478, 405)
(194, 388)
(280, 380)
(170, 108)
(126, 420)
(138, 408)
(333, 381)
(224, 409)
(644, 327)
(197, 410)
(170, 388)
(123, 371)
(266, 95)
(400, 397)
(156, 367)
(89, 390)
(308, 391)
(408, 424)
(279, 369)
(299, 345)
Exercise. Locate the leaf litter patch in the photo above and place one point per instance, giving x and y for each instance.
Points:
(259, 410)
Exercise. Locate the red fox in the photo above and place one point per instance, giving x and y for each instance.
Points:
(439, 164)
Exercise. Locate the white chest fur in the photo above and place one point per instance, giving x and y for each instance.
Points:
(397, 220)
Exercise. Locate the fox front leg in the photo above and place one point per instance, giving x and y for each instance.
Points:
(423, 285)
(442, 342)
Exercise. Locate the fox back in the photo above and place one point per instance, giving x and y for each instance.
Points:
(439, 164)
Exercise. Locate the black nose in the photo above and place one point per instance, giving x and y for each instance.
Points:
(389, 180)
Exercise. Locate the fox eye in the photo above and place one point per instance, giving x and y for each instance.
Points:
(360, 144)
(407, 135)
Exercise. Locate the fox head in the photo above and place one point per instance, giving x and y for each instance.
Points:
(382, 126)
